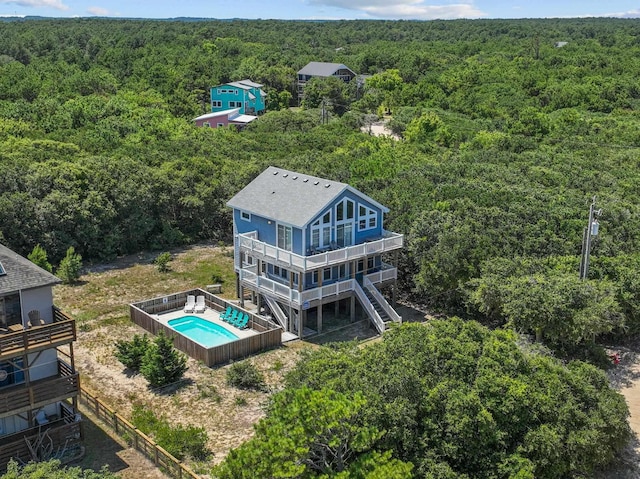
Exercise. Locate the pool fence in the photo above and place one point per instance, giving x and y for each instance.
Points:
(269, 335)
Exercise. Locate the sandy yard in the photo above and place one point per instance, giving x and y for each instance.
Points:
(100, 305)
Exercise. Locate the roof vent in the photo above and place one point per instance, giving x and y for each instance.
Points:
(275, 172)
(327, 185)
(285, 175)
(305, 180)
(316, 183)
(294, 177)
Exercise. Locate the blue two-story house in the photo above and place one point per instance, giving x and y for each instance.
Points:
(303, 242)
(243, 94)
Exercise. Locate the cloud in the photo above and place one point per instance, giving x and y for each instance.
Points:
(629, 14)
(405, 9)
(57, 4)
(98, 11)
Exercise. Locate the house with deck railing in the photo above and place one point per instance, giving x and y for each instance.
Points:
(38, 381)
(304, 244)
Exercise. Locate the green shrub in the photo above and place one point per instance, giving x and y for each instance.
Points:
(69, 269)
(179, 441)
(38, 256)
(245, 375)
(130, 353)
(162, 262)
(162, 364)
(144, 419)
(182, 441)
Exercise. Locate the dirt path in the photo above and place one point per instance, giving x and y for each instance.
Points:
(625, 377)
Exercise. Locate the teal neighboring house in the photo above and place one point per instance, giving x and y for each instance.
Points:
(243, 94)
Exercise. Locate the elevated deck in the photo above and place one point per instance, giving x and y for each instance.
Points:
(38, 338)
(311, 297)
(25, 397)
(248, 243)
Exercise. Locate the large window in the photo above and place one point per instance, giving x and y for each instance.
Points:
(326, 274)
(216, 103)
(344, 235)
(285, 235)
(367, 218)
(321, 231)
(344, 210)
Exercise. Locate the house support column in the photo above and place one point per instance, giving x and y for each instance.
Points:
(301, 320)
(237, 285)
(336, 308)
(319, 318)
(241, 296)
(352, 308)
(393, 292)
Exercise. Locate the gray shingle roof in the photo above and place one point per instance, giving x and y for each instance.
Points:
(290, 197)
(322, 69)
(21, 273)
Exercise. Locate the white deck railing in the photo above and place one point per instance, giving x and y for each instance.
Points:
(273, 287)
(249, 243)
(277, 312)
(368, 307)
(298, 298)
(392, 313)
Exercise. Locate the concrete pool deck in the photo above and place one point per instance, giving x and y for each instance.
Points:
(210, 315)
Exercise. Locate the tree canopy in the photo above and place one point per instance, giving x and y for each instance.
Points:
(502, 146)
(446, 399)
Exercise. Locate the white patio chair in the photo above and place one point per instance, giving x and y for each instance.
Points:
(190, 305)
(200, 305)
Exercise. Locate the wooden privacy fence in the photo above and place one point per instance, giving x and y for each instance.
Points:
(268, 334)
(140, 441)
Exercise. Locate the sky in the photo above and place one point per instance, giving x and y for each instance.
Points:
(323, 9)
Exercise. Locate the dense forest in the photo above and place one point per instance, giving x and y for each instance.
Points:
(505, 139)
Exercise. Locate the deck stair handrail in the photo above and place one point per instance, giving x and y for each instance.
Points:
(277, 311)
(368, 307)
(249, 242)
(384, 304)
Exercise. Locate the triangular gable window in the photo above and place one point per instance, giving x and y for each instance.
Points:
(2, 270)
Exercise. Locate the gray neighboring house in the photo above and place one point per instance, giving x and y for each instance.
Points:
(38, 382)
(322, 70)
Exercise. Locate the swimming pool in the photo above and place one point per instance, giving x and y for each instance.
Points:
(202, 331)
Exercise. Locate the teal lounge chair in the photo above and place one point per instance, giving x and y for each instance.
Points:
(235, 319)
(242, 323)
(231, 319)
(227, 312)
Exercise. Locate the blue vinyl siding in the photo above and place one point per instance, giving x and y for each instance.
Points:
(359, 236)
(235, 97)
(267, 230)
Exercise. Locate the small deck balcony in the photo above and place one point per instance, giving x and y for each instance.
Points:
(24, 397)
(38, 338)
(297, 298)
(65, 430)
(248, 243)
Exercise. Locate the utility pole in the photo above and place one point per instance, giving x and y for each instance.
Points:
(589, 231)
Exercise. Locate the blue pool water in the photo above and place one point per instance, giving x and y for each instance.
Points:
(202, 331)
